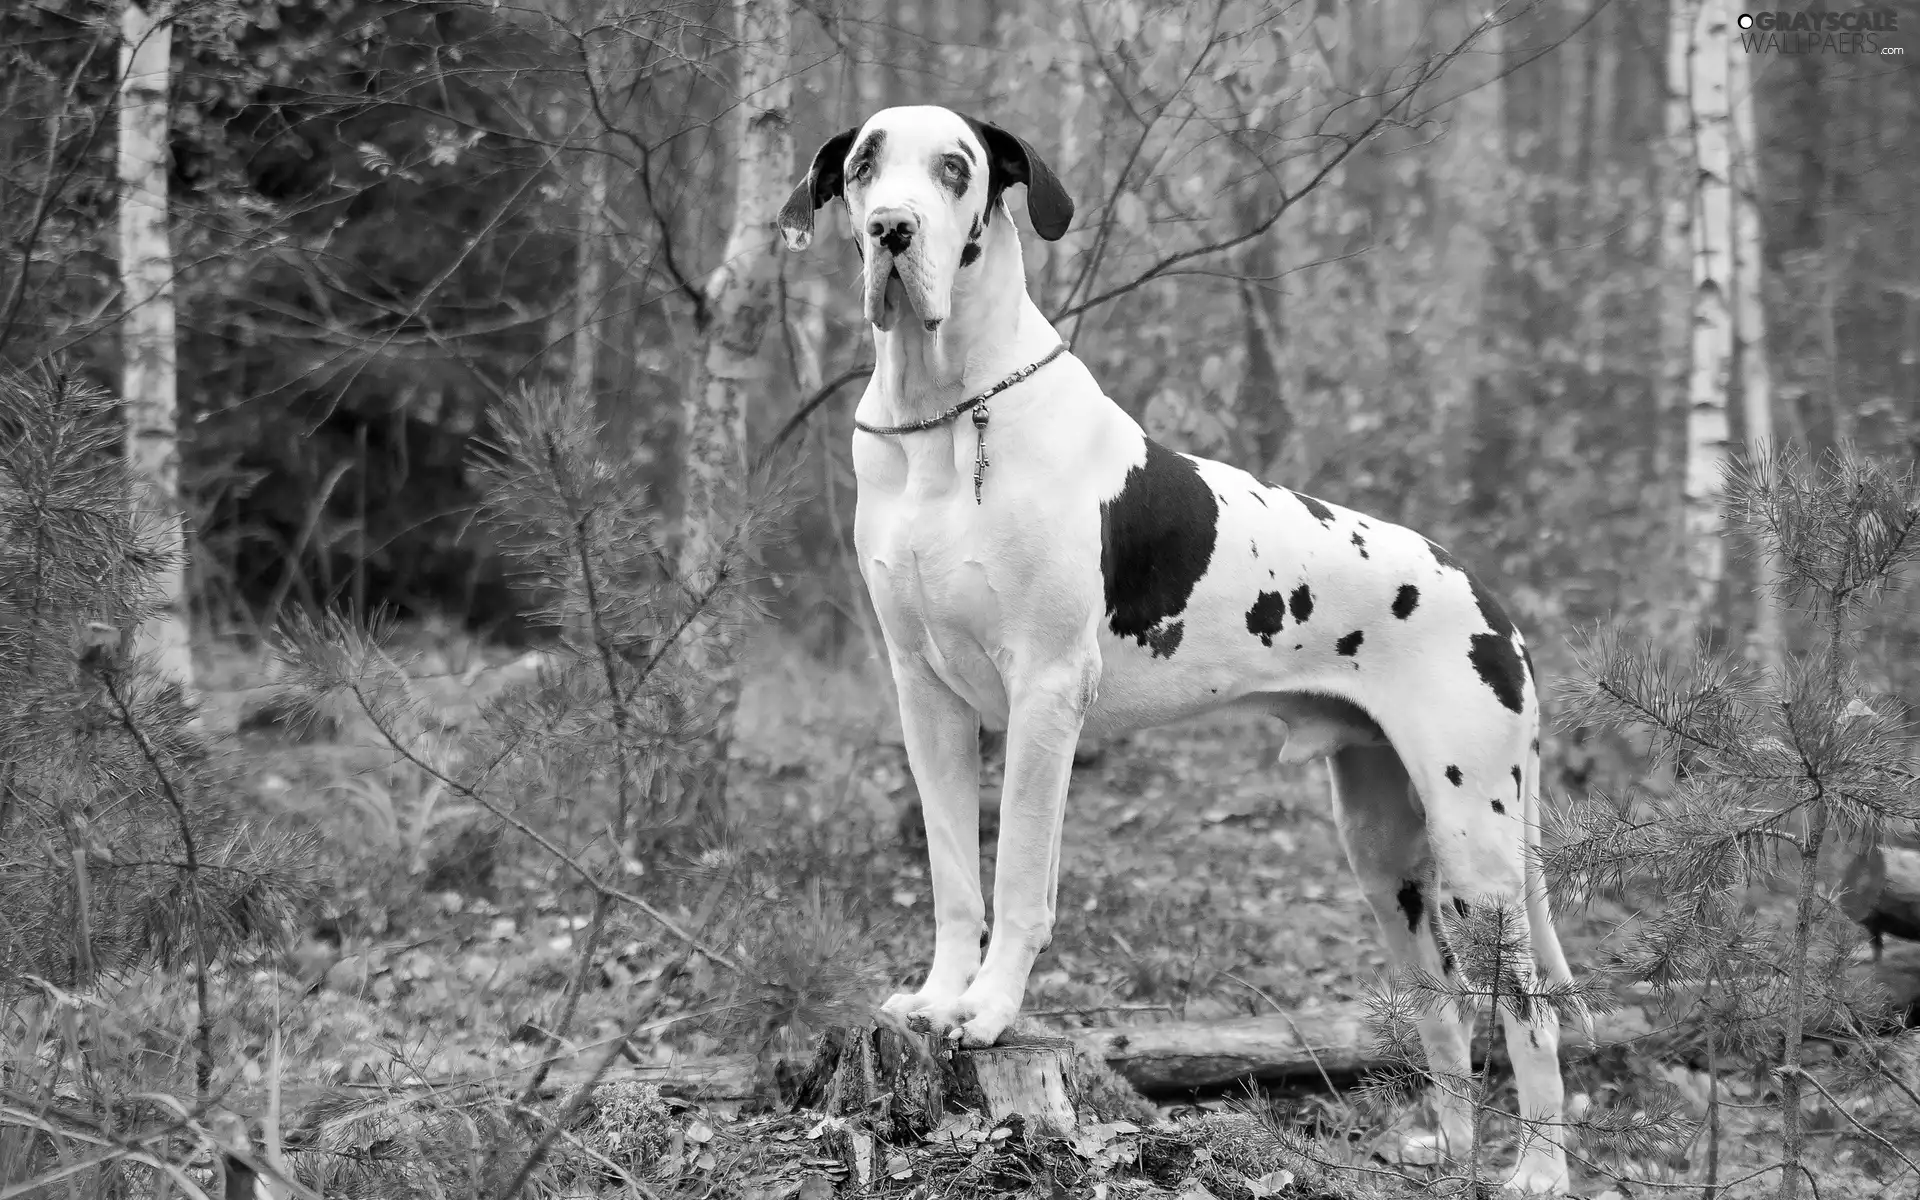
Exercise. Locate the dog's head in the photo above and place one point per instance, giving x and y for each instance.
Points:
(922, 185)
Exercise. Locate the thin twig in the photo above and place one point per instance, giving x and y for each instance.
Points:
(1840, 1108)
(203, 1071)
(799, 418)
(617, 1048)
(1088, 1010)
(1298, 1036)
(49, 188)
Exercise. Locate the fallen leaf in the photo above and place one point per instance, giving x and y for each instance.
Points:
(1270, 1184)
(863, 1156)
(815, 1187)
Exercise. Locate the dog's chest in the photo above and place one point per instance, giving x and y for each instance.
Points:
(925, 568)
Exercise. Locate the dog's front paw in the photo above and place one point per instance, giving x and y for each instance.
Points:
(909, 1004)
(982, 1014)
(986, 1027)
(970, 1019)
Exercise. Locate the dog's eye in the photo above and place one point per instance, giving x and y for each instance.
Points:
(954, 168)
(861, 170)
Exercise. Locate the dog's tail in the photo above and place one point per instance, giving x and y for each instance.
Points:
(1546, 942)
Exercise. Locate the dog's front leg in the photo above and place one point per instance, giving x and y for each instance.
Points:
(1045, 712)
(943, 748)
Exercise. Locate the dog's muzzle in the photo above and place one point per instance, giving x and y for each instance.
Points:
(899, 274)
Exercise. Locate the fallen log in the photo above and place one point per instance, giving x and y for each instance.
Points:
(1337, 1043)
(1331, 1045)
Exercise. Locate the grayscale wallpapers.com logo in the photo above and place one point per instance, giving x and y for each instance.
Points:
(1861, 31)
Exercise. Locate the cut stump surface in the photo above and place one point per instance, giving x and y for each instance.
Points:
(904, 1082)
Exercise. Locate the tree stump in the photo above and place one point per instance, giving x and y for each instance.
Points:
(1028, 1076)
(903, 1082)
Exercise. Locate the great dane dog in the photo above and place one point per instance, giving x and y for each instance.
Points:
(1036, 559)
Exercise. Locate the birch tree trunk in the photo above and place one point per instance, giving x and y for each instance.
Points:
(1711, 361)
(1673, 168)
(743, 300)
(1750, 336)
(148, 386)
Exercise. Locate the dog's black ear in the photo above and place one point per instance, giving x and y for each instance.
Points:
(1011, 160)
(825, 180)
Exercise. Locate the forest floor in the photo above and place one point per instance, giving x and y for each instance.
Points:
(1200, 880)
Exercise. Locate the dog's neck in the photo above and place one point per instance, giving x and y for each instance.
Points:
(993, 330)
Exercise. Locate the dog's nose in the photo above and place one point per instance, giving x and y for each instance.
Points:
(893, 228)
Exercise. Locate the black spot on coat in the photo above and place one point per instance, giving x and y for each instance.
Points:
(969, 254)
(1156, 541)
(1264, 619)
(1349, 645)
(1320, 512)
(1517, 785)
(1360, 544)
(1301, 604)
(1499, 668)
(1499, 808)
(1490, 610)
(1453, 776)
(1405, 601)
(1165, 639)
(1441, 556)
(1411, 904)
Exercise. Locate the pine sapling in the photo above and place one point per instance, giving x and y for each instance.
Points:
(1769, 771)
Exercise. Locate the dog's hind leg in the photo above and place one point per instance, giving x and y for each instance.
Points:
(943, 748)
(1385, 835)
(1476, 795)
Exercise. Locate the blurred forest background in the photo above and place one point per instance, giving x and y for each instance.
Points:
(1436, 261)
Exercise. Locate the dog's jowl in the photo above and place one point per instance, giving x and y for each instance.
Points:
(1036, 560)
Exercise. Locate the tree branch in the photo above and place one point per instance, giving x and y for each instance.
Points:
(43, 203)
(800, 416)
(1392, 114)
